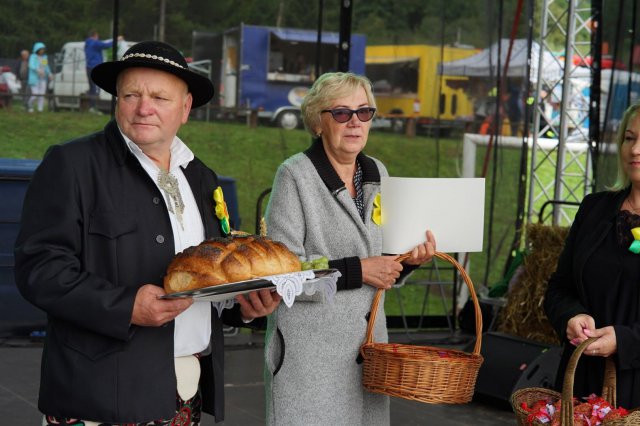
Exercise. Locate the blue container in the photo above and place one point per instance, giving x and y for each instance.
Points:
(17, 316)
(228, 186)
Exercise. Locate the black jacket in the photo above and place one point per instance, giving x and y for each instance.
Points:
(567, 296)
(94, 229)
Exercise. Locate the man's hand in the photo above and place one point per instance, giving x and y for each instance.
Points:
(149, 311)
(258, 303)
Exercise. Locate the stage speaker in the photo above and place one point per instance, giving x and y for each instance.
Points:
(512, 363)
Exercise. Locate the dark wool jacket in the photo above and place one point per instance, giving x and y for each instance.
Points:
(566, 295)
(94, 229)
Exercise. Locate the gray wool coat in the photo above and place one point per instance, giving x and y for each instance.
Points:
(312, 374)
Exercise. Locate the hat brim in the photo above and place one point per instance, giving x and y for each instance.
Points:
(106, 74)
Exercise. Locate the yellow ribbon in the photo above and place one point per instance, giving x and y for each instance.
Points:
(221, 210)
(377, 210)
(635, 244)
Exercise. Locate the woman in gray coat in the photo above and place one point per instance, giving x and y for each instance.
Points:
(322, 205)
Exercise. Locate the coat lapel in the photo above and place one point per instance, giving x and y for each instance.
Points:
(370, 175)
(596, 230)
(205, 204)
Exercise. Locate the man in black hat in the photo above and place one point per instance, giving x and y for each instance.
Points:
(102, 218)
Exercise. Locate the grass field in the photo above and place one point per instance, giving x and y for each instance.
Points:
(252, 155)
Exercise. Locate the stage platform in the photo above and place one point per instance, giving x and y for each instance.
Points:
(20, 369)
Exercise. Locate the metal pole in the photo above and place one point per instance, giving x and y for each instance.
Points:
(163, 6)
(319, 38)
(114, 48)
(536, 117)
(567, 94)
(596, 88)
(344, 46)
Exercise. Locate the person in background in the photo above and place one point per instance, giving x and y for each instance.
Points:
(102, 218)
(22, 71)
(93, 48)
(594, 291)
(39, 76)
(515, 108)
(322, 204)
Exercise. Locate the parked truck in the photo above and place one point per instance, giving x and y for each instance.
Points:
(70, 75)
(407, 86)
(267, 71)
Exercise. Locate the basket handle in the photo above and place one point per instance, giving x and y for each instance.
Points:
(608, 387)
(472, 292)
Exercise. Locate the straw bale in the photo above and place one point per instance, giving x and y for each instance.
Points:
(523, 314)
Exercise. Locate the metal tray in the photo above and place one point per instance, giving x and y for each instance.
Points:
(220, 292)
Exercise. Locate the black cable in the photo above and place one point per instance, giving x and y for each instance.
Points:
(494, 169)
(632, 37)
(524, 148)
(318, 42)
(619, 29)
(440, 79)
(596, 91)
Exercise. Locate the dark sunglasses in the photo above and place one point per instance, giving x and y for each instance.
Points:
(342, 115)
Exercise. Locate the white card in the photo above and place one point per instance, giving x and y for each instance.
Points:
(453, 209)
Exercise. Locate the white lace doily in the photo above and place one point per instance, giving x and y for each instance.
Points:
(291, 285)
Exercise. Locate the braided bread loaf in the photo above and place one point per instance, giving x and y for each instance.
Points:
(227, 260)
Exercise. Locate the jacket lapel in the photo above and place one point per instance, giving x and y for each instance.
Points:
(336, 186)
(596, 230)
(204, 199)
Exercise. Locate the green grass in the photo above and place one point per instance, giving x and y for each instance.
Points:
(252, 155)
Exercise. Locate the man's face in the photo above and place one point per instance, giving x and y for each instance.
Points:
(151, 106)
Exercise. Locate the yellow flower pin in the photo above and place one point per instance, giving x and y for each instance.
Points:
(635, 244)
(377, 210)
(221, 210)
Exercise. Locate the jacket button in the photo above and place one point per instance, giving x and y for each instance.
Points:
(159, 239)
(156, 200)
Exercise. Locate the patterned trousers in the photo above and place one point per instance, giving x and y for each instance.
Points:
(188, 413)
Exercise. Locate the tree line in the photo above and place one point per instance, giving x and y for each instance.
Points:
(476, 23)
(472, 23)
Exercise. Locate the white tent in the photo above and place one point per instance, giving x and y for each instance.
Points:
(485, 63)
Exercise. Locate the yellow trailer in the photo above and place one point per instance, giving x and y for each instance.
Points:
(407, 85)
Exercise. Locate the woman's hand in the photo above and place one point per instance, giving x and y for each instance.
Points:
(577, 328)
(380, 271)
(423, 252)
(605, 345)
(582, 326)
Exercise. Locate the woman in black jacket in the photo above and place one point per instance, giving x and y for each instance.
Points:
(595, 291)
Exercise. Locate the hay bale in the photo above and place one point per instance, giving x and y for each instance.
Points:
(523, 314)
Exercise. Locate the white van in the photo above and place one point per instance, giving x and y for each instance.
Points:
(70, 75)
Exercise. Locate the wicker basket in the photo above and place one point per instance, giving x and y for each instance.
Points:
(532, 395)
(422, 373)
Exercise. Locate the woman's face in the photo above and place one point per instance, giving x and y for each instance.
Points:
(345, 140)
(630, 150)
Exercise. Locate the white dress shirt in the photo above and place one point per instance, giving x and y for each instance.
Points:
(193, 326)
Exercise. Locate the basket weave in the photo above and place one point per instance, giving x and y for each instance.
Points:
(422, 373)
(532, 395)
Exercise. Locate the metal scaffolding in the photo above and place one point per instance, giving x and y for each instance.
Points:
(559, 174)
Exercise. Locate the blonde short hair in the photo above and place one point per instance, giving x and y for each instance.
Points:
(326, 89)
(623, 178)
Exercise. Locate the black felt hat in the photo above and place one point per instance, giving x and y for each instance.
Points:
(157, 55)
